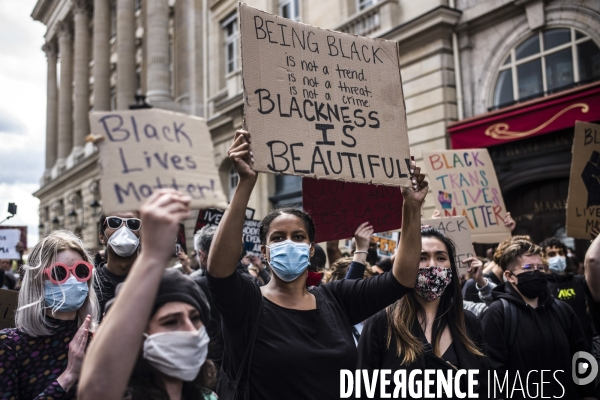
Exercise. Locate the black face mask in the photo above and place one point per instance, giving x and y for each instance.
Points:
(532, 284)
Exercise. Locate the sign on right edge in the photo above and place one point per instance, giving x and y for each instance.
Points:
(583, 204)
(464, 182)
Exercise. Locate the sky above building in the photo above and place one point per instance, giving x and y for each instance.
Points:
(22, 112)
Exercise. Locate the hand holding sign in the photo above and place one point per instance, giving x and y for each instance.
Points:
(419, 186)
(240, 154)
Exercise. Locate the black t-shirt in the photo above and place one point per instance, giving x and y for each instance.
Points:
(298, 353)
(570, 288)
(105, 285)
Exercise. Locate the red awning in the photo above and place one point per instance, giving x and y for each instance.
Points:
(532, 118)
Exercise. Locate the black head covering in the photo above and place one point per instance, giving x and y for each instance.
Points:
(176, 286)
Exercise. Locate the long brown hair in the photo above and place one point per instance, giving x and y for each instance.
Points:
(402, 314)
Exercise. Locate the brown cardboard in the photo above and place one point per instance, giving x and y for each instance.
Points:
(144, 150)
(457, 229)
(321, 103)
(583, 203)
(464, 182)
(9, 299)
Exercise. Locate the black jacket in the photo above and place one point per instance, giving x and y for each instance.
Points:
(373, 353)
(541, 343)
(571, 289)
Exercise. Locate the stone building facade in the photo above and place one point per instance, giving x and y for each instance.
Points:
(184, 55)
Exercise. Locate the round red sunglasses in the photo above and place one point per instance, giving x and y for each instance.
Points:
(59, 272)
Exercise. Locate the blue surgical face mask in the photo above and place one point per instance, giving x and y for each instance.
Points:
(74, 296)
(557, 264)
(289, 259)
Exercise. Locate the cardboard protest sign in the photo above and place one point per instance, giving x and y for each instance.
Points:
(464, 182)
(322, 103)
(9, 299)
(457, 229)
(338, 208)
(583, 203)
(250, 235)
(8, 244)
(21, 228)
(387, 242)
(145, 150)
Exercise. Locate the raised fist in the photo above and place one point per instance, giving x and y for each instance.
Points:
(591, 179)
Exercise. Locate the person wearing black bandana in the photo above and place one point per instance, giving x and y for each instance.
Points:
(526, 329)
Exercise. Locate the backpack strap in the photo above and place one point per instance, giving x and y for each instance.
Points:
(510, 321)
(559, 308)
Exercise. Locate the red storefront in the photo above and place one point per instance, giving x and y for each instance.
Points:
(530, 144)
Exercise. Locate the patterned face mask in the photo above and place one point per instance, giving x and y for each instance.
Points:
(432, 281)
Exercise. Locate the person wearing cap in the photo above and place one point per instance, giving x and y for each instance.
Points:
(153, 342)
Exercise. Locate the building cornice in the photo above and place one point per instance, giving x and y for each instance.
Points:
(439, 17)
(40, 10)
(69, 175)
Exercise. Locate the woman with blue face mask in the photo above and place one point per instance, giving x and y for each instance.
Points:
(284, 338)
(57, 310)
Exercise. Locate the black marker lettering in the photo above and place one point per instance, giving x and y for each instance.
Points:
(266, 97)
(345, 129)
(259, 28)
(372, 164)
(281, 155)
(323, 128)
(294, 158)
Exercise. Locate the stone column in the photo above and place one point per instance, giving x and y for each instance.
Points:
(51, 107)
(159, 87)
(102, 33)
(65, 96)
(82, 73)
(126, 79)
(183, 50)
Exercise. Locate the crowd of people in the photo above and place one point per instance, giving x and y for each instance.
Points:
(122, 325)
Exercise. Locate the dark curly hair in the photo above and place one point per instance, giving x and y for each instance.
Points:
(553, 242)
(265, 224)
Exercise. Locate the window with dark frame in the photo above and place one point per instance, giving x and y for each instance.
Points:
(547, 62)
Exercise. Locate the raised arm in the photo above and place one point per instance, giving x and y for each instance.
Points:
(408, 254)
(225, 248)
(592, 268)
(113, 352)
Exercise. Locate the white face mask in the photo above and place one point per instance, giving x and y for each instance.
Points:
(124, 242)
(178, 354)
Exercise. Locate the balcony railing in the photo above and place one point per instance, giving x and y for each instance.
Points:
(371, 20)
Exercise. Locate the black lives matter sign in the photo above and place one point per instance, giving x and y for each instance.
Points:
(143, 151)
(322, 103)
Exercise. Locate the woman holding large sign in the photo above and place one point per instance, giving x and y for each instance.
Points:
(300, 338)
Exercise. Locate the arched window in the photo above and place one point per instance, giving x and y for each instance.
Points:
(234, 178)
(546, 63)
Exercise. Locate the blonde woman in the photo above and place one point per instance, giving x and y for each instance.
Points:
(42, 357)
